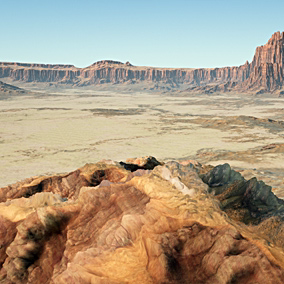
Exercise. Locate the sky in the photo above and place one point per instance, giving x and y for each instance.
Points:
(160, 33)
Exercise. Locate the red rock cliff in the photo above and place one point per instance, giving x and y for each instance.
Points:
(266, 69)
(264, 72)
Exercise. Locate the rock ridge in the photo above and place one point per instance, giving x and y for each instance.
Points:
(173, 222)
(7, 88)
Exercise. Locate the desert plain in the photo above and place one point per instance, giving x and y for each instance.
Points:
(55, 130)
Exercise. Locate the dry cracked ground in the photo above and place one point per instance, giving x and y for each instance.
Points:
(60, 130)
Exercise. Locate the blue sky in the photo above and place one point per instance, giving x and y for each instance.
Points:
(162, 33)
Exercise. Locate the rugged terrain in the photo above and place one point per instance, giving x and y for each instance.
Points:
(264, 74)
(59, 131)
(196, 219)
(142, 221)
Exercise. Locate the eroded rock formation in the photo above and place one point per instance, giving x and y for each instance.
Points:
(264, 74)
(158, 223)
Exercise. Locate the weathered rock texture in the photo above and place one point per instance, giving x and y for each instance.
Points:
(264, 74)
(164, 223)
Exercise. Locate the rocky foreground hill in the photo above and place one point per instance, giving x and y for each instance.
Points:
(142, 221)
(264, 74)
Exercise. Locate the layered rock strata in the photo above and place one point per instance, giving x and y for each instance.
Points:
(264, 74)
(159, 223)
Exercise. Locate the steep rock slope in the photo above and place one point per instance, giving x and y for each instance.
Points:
(264, 74)
(267, 66)
(142, 221)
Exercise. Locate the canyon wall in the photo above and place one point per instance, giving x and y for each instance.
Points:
(265, 72)
(266, 68)
(116, 72)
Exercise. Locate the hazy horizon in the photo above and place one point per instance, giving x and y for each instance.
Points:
(179, 34)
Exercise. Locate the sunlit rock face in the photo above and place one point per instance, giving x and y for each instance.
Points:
(143, 221)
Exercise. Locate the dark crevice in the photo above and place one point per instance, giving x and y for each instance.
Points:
(33, 190)
(150, 164)
(97, 177)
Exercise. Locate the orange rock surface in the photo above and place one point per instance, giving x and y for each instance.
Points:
(105, 224)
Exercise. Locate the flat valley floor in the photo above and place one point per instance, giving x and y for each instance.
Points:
(62, 129)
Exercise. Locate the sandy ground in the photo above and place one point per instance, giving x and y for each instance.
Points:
(61, 131)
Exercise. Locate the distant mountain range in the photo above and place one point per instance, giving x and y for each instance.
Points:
(265, 74)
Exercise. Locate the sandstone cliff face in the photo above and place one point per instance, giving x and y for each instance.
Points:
(141, 222)
(266, 69)
(264, 73)
(116, 72)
